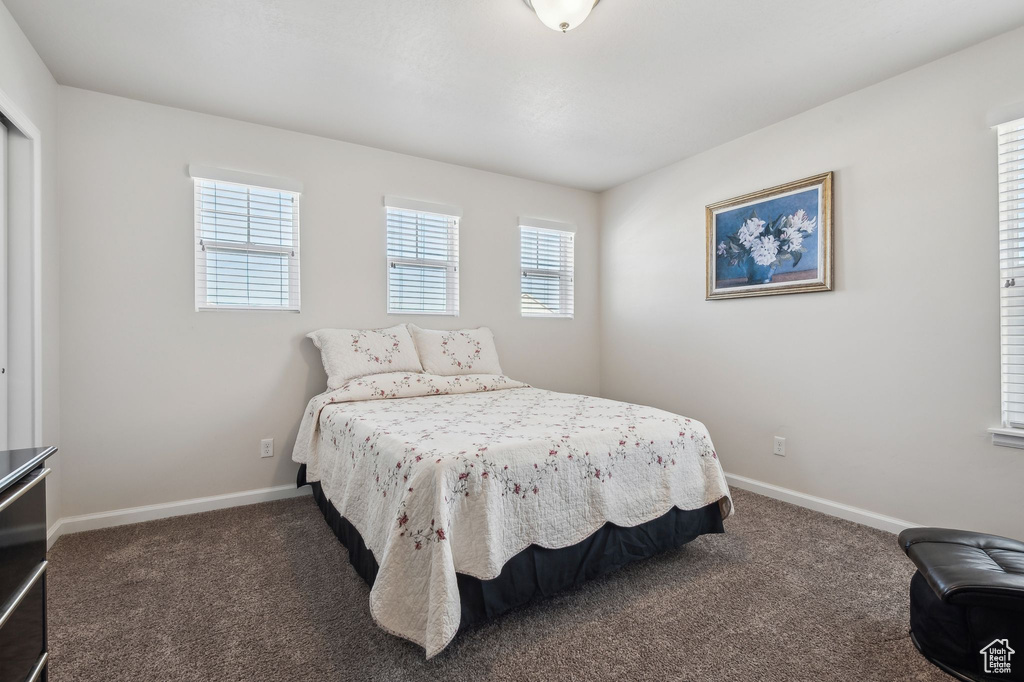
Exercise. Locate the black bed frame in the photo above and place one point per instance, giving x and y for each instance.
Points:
(537, 572)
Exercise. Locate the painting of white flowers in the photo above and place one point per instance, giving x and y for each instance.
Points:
(776, 241)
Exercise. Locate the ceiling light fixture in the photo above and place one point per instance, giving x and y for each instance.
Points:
(562, 15)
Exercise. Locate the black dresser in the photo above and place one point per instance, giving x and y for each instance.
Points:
(23, 564)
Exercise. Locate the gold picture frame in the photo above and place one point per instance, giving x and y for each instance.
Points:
(764, 254)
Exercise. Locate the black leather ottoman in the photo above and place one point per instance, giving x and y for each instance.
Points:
(967, 602)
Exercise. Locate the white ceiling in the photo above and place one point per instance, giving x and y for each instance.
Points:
(483, 83)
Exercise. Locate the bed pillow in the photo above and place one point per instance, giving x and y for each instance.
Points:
(461, 351)
(352, 353)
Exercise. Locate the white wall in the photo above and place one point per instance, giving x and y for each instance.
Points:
(883, 388)
(27, 82)
(161, 403)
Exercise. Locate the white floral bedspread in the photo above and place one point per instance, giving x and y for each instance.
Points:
(446, 475)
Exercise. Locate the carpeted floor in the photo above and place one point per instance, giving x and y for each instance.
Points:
(265, 593)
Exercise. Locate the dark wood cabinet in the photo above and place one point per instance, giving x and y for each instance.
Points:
(23, 651)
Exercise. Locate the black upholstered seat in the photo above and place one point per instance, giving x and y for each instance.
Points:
(967, 596)
(968, 568)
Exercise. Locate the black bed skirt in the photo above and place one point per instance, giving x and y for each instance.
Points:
(537, 572)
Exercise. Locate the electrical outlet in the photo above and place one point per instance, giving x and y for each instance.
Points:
(267, 447)
(780, 446)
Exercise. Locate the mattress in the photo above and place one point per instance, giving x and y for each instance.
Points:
(457, 475)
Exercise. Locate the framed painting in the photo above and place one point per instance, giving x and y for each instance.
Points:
(776, 241)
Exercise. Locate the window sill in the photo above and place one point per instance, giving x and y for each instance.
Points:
(538, 316)
(261, 308)
(1007, 437)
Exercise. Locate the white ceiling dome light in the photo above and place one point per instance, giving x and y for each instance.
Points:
(562, 15)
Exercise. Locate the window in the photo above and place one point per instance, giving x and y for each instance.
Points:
(423, 257)
(546, 263)
(1011, 266)
(247, 241)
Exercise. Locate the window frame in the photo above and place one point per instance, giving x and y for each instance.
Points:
(450, 265)
(248, 181)
(566, 277)
(1010, 433)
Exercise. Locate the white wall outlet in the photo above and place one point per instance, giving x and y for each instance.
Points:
(267, 447)
(780, 446)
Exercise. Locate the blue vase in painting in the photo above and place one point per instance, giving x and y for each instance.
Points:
(759, 274)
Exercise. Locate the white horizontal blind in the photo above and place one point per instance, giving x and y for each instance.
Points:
(546, 260)
(247, 247)
(1011, 266)
(423, 262)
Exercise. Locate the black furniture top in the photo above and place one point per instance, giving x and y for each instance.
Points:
(14, 464)
(970, 569)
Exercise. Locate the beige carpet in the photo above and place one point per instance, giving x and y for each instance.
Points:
(266, 593)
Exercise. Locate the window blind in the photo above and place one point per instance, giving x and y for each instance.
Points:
(1011, 266)
(422, 257)
(546, 260)
(247, 246)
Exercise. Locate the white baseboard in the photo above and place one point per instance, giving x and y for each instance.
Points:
(54, 532)
(820, 504)
(120, 517)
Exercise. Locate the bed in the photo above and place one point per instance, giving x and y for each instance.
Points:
(459, 497)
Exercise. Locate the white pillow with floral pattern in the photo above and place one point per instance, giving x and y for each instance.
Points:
(353, 353)
(460, 351)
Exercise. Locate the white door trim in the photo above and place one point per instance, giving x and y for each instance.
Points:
(21, 121)
(4, 276)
